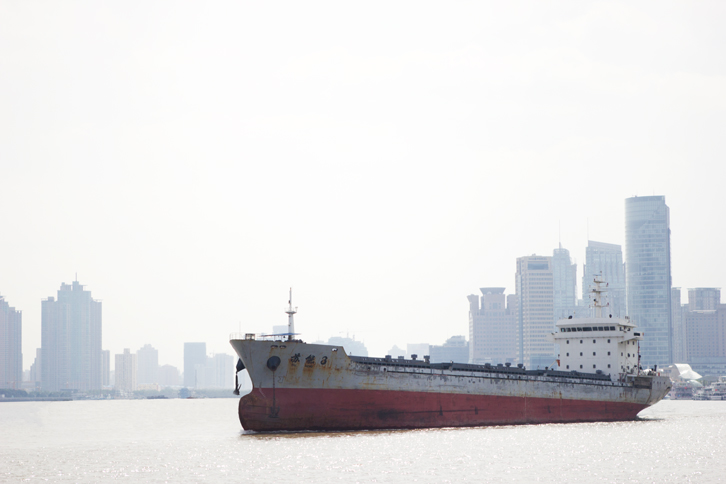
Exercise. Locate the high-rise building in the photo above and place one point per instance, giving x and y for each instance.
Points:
(168, 376)
(71, 340)
(492, 327)
(704, 325)
(535, 304)
(418, 349)
(35, 368)
(648, 276)
(125, 371)
(11, 349)
(564, 283)
(679, 327)
(106, 368)
(704, 298)
(195, 363)
(605, 260)
(455, 349)
(351, 345)
(224, 369)
(147, 360)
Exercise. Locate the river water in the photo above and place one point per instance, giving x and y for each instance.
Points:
(202, 441)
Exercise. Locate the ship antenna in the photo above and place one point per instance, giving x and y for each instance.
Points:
(290, 322)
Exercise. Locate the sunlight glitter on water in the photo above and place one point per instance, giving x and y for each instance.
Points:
(201, 440)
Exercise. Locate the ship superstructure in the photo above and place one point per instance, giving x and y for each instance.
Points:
(599, 344)
(301, 386)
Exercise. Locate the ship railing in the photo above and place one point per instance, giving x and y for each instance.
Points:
(251, 336)
(258, 336)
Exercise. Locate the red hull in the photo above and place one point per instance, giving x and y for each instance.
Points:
(319, 409)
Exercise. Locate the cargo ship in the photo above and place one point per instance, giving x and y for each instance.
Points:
(301, 386)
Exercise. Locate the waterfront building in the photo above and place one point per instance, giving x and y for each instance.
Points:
(35, 368)
(125, 371)
(705, 331)
(564, 284)
(147, 359)
(492, 326)
(455, 349)
(195, 363)
(168, 376)
(11, 349)
(418, 349)
(679, 327)
(71, 340)
(351, 346)
(704, 298)
(535, 305)
(648, 276)
(605, 260)
(223, 366)
(395, 352)
(106, 368)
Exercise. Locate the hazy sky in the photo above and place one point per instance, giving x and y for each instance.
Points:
(193, 161)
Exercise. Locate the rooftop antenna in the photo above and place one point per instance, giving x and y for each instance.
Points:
(290, 323)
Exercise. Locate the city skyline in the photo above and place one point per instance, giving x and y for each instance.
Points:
(190, 192)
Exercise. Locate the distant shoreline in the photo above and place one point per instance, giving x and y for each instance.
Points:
(36, 399)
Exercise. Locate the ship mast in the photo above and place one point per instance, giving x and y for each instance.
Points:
(597, 292)
(290, 322)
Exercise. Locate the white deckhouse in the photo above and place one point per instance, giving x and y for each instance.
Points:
(600, 344)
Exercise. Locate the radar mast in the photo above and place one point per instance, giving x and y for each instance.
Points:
(290, 321)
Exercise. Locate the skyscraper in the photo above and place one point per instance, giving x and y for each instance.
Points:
(648, 275)
(564, 283)
(679, 327)
(11, 353)
(195, 363)
(535, 303)
(492, 327)
(125, 371)
(223, 374)
(147, 361)
(704, 298)
(105, 368)
(606, 260)
(71, 340)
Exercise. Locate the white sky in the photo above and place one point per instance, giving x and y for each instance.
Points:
(385, 159)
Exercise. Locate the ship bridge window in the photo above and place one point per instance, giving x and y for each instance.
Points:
(600, 328)
(612, 328)
(587, 329)
(579, 329)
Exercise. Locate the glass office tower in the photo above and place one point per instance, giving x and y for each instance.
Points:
(648, 275)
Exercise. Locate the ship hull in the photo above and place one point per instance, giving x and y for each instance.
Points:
(299, 386)
(318, 409)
